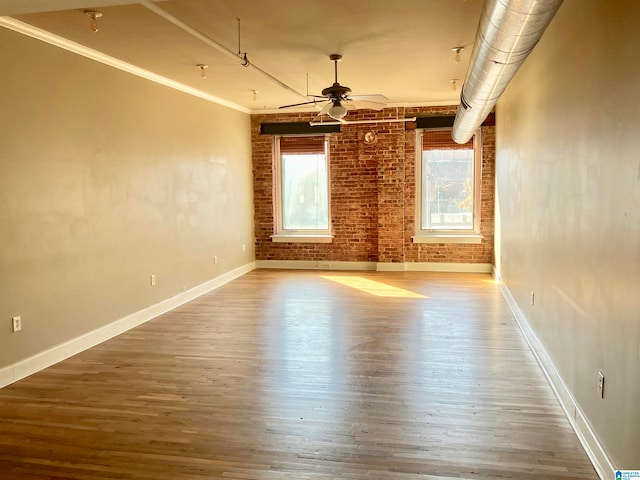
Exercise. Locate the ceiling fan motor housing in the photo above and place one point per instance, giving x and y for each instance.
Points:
(336, 91)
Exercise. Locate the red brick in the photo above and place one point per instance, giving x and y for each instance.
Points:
(372, 195)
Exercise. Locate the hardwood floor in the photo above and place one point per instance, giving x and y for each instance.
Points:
(301, 375)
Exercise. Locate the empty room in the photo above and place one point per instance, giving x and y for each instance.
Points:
(357, 239)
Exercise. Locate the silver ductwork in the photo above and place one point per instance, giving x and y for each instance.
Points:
(508, 31)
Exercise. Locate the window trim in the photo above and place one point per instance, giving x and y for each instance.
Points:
(436, 235)
(282, 235)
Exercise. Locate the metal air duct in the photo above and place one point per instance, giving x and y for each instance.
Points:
(508, 31)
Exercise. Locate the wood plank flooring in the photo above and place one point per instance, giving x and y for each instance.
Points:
(301, 375)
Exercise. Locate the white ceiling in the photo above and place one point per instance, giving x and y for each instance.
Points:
(401, 48)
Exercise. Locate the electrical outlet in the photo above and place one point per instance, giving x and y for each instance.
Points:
(325, 265)
(215, 260)
(533, 298)
(16, 324)
(152, 280)
(601, 384)
(244, 247)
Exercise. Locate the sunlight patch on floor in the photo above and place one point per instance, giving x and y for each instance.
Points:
(372, 287)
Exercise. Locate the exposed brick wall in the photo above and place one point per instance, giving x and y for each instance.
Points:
(372, 195)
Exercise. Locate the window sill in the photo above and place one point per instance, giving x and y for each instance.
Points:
(448, 238)
(285, 238)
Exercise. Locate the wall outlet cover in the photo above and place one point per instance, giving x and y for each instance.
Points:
(16, 324)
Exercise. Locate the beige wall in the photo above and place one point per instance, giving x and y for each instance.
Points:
(105, 179)
(568, 183)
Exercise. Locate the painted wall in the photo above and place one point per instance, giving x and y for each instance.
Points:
(568, 190)
(372, 194)
(105, 179)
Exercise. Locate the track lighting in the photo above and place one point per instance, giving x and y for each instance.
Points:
(255, 95)
(457, 50)
(454, 84)
(94, 16)
(203, 70)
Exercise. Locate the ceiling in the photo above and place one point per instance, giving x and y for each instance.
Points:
(401, 49)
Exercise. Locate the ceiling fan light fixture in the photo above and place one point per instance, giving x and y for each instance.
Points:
(337, 110)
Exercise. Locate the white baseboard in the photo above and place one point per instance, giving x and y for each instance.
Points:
(435, 267)
(314, 265)
(390, 267)
(448, 267)
(380, 267)
(46, 358)
(578, 420)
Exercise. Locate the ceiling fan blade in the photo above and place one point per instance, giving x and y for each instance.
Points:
(363, 104)
(376, 97)
(299, 104)
(326, 108)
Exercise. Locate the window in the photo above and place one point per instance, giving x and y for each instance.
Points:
(302, 189)
(447, 188)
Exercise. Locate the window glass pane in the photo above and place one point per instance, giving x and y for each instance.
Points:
(305, 200)
(447, 189)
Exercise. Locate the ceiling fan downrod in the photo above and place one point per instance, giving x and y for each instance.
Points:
(335, 58)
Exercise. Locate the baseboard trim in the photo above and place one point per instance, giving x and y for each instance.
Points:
(448, 267)
(379, 267)
(435, 267)
(578, 420)
(314, 265)
(390, 267)
(51, 356)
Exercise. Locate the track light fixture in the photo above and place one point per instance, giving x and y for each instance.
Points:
(454, 84)
(457, 50)
(203, 70)
(94, 16)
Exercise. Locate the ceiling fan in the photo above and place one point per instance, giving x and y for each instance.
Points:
(339, 98)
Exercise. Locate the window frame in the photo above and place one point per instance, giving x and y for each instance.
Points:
(448, 235)
(282, 234)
